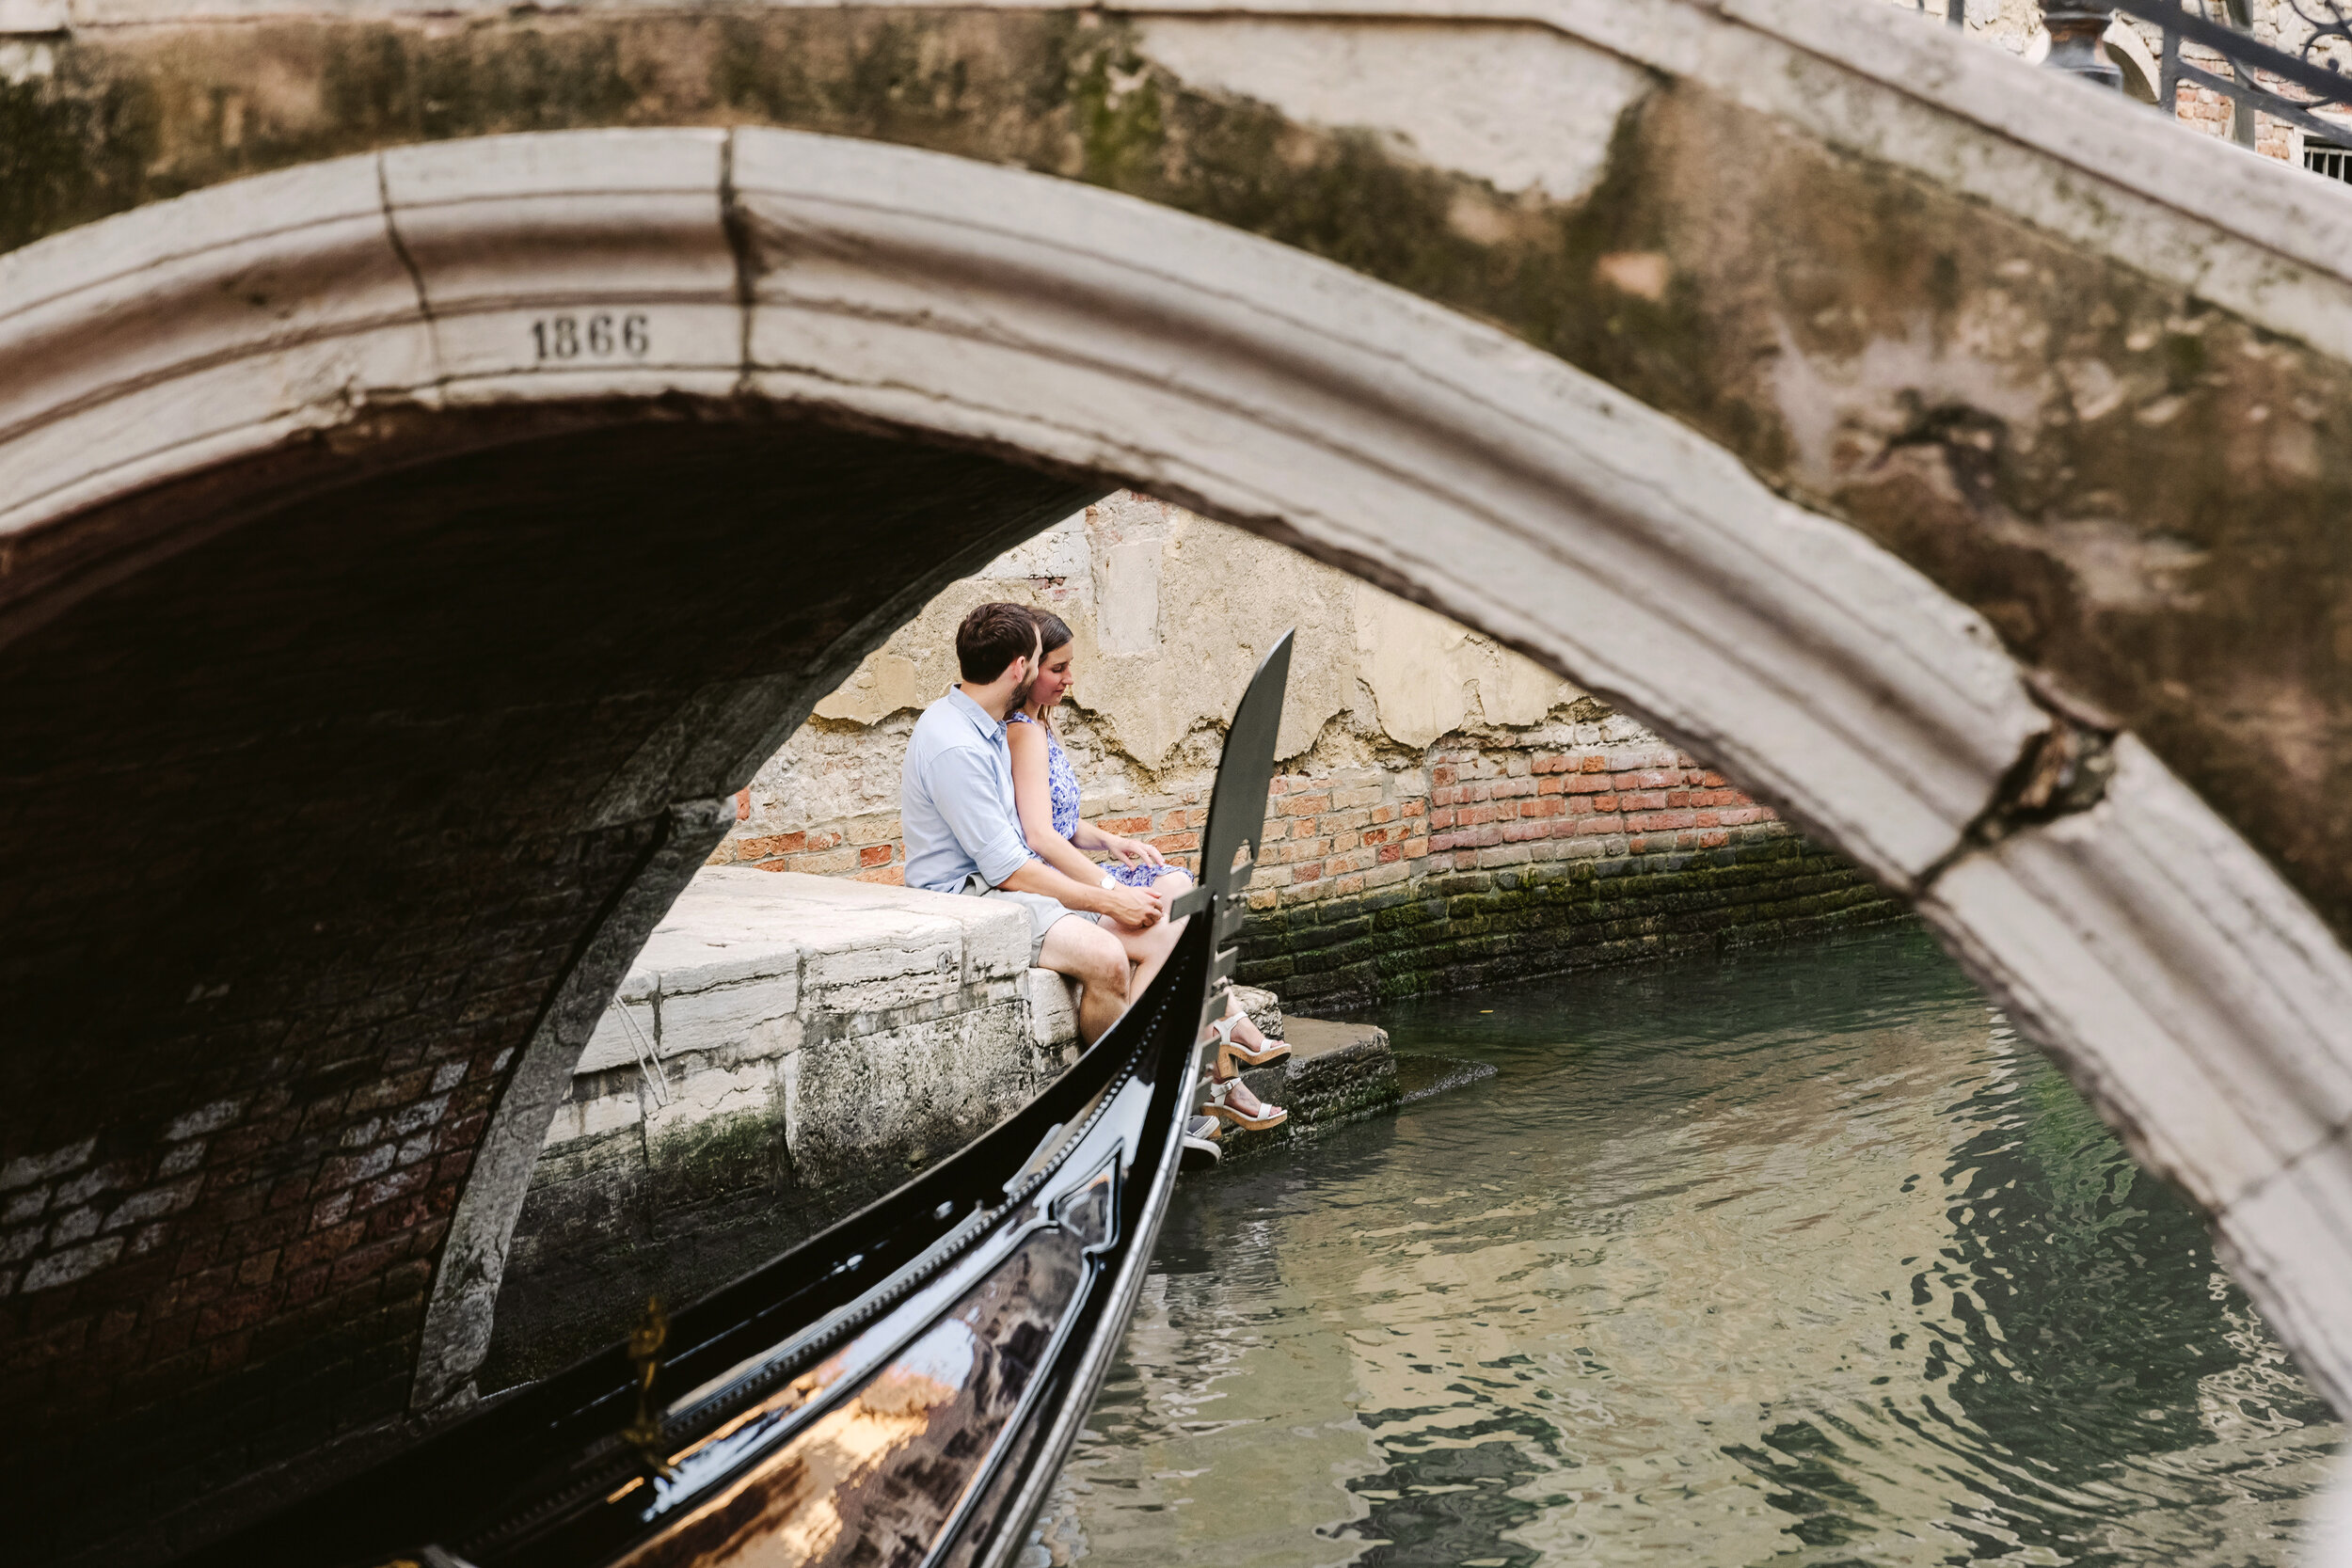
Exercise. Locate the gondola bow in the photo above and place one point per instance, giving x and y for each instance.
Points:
(901, 1389)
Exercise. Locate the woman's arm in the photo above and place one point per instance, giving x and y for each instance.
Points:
(1133, 851)
(1130, 852)
(1033, 797)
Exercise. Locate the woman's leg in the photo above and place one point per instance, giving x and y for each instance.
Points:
(1170, 884)
(1226, 1070)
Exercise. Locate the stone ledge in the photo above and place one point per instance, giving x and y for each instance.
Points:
(1336, 1073)
(738, 949)
(806, 1044)
(847, 1015)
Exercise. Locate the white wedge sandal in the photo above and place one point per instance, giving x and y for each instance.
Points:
(1269, 1051)
(1220, 1106)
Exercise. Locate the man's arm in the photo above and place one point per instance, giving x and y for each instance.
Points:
(962, 784)
(1133, 908)
(963, 787)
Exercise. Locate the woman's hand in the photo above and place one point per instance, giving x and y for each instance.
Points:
(1133, 851)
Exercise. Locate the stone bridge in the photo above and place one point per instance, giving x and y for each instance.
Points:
(1954, 455)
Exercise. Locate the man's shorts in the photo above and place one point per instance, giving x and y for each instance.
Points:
(1043, 912)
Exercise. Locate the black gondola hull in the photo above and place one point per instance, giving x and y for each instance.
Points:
(899, 1390)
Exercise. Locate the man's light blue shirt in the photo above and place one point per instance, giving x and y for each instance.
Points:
(955, 799)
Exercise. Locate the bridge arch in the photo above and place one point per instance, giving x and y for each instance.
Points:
(244, 387)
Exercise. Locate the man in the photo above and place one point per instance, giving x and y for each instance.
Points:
(963, 832)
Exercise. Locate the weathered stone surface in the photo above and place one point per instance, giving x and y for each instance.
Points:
(1264, 1007)
(1053, 1009)
(1336, 1073)
(809, 1043)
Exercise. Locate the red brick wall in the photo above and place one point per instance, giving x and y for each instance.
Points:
(2208, 111)
(1339, 833)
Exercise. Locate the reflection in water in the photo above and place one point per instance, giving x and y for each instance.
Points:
(1799, 1257)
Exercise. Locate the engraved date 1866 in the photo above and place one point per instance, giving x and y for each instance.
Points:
(602, 336)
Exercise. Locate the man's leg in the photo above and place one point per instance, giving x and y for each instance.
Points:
(1093, 957)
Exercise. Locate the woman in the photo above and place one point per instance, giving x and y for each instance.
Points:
(1045, 792)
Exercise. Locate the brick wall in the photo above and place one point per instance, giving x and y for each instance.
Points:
(867, 848)
(1500, 860)
(1489, 855)
(2203, 109)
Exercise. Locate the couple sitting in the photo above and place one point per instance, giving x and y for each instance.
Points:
(989, 803)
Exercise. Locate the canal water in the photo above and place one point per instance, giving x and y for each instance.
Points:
(1796, 1257)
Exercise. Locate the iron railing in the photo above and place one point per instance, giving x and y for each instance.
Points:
(2261, 77)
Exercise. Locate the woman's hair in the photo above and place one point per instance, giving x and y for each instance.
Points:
(1052, 630)
(990, 638)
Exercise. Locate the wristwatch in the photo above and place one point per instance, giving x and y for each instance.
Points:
(1110, 881)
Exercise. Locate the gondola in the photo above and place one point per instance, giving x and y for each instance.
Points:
(900, 1390)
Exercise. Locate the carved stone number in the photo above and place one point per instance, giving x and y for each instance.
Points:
(601, 336)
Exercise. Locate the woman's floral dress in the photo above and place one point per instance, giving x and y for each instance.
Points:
(1061, 785)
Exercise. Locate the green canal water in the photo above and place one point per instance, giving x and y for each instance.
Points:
(1797, 1257)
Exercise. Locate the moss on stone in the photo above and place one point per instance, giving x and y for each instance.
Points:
(1555, 916)
(72, 150)
(699, 1162)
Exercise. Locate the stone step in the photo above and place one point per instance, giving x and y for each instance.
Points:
(1336, 1073)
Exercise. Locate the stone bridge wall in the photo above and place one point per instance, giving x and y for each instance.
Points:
(1447, 813)
(785, 1049)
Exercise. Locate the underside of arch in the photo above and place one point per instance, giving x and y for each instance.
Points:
(331, 827)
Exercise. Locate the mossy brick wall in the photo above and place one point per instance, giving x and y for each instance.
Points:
(1487, 858)
(1520, 861)
(1472, 927)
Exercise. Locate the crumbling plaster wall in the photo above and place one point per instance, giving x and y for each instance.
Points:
(1444, 812)
(1169, 613)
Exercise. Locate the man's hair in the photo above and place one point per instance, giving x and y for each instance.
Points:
(990, 638)
(1052, 630)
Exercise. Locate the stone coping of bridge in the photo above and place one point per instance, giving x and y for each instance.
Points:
(2082, 162)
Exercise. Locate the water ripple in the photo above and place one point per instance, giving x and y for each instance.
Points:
(1797, 1258)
